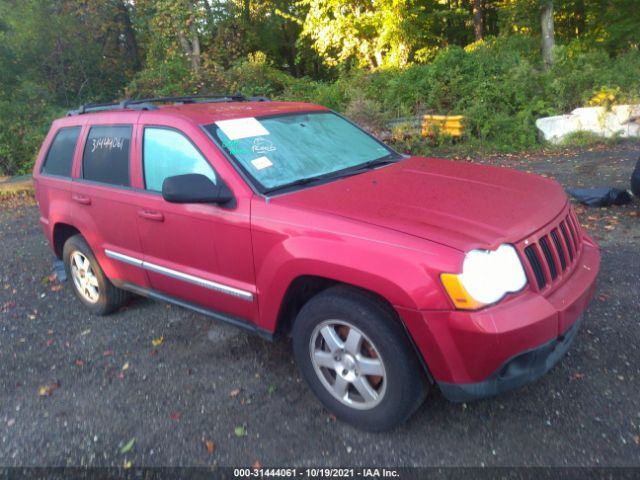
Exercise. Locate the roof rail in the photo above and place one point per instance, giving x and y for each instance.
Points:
(149, 103)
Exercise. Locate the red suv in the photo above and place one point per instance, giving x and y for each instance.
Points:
(392, 273)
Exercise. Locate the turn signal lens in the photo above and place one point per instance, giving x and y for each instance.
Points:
(458, 294)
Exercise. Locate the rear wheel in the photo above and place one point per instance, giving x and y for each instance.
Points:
(89, 282)
(357, 359)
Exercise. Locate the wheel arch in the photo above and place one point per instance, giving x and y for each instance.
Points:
(305, 287)
(61, 233)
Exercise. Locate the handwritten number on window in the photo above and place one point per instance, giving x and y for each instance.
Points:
(107, 143)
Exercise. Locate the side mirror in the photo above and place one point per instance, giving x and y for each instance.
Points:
(195, 188)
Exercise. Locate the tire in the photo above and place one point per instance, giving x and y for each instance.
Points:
(89, 282)
(395, 385)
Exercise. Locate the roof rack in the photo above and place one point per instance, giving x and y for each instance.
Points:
(149, 103)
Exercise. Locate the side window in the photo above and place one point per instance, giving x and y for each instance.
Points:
(106, 155)
(60, 155)
(167, 153)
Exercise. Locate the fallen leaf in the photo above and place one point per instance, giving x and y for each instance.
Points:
(578, 376)
(8, 305)
(211, 447)
(129, 445)
(174, 416)
(108, 353)
(240, 431)
(47, 390)
(85, 332)
(52, 278)
(257, 465)
(636, 438)
(156, 342)
(125, 366)
(50, 342)
(332, 417)
(127, 464)
(56, 288)
(79, 362)
(609, 227)
(234, 393)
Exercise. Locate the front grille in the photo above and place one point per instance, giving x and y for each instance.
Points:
(554, 252)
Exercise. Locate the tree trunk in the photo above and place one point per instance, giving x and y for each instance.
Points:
(548, 36)
(477, 19)
(191, 49)
(124, 19)
(246, 11)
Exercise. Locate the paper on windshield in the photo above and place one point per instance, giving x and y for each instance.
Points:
(242, 128)
(261, 162)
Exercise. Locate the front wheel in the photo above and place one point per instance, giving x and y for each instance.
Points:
(357, 359)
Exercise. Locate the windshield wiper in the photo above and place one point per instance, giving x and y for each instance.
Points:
(296, 183)
(363, 167)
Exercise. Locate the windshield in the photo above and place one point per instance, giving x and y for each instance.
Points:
(292, 149)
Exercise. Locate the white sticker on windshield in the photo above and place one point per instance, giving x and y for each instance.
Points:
(261, 162)
(242, 128)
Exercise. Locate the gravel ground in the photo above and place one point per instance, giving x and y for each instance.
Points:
(208, 382)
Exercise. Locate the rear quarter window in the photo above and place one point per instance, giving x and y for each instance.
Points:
(106, 155)
(60, 155)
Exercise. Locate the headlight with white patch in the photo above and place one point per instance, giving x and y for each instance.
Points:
(487, 276)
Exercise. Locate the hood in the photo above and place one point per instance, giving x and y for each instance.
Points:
(459, 204)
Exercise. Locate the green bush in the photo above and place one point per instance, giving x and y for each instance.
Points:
(499, 85)
(256, 76)
(24, 122)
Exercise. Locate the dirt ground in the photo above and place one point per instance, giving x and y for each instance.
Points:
(83, 390)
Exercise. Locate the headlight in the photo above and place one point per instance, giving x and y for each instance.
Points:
(487, 276)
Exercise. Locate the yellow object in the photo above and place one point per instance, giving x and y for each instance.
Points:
(449, 124)
(458, 294)
(156, 342)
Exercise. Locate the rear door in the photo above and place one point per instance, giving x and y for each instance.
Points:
(103, 202)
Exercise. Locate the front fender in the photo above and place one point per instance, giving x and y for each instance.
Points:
(402, 276)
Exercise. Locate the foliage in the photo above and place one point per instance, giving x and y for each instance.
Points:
(373, 61)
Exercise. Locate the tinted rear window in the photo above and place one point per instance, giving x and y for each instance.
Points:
(60, 155)
(106, 155)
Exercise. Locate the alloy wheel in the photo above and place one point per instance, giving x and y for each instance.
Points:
(348, 364)
(84, 278)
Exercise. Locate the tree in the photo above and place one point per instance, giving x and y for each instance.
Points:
(548, 34)
(367, 33)
(477, 19)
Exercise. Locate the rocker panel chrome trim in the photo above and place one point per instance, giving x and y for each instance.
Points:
(185, 277)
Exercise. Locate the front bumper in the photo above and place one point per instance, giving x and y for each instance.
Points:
(516, 372)
(471, 355)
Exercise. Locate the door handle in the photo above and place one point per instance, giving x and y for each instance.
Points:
(154, 216)
(81, 199)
